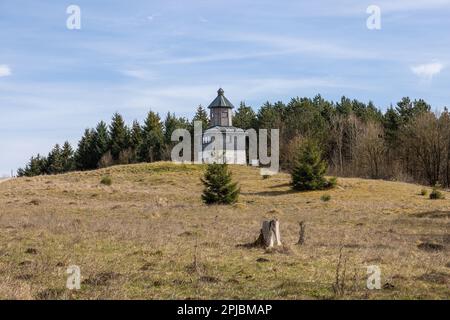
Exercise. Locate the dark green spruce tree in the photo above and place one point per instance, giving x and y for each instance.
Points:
(201, 115)
(245, 117)
(309, 169)
(118, 133)
(67, 157)
(219, 188)
(101, 140)
(85, 156)
(135, 139)
(54, 161)
(152, 145)
(35, 167)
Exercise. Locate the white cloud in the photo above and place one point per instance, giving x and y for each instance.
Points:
(427, 71)
(5, 70)
(275, 45)
(139, 74)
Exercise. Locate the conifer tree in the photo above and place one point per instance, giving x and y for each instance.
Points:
(54, 161)
(67, 160)
(135, 139)
(201, 115)
(85, 157)
(309, 169)
(245, 117)
(36, 166)
(118, 133)
(219, 188)
(152, 146)
(172, 123)
(101, 140)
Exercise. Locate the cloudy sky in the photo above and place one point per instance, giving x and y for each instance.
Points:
(165, 55)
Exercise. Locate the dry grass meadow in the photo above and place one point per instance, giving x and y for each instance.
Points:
(148, 236)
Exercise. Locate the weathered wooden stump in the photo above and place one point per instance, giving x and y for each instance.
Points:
(301, 238)
(270, 234)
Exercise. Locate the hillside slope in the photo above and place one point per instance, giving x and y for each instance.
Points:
(149, 236)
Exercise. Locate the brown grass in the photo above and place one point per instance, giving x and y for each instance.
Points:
(149, 236)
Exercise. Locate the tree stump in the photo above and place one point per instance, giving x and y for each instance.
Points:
(270, 234)
(301, 239)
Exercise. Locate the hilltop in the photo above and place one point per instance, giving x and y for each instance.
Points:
(149, 236)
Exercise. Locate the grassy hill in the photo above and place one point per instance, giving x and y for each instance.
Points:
(148, 235)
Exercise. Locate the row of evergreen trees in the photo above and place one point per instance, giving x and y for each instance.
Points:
(356, 139)
(116, 143)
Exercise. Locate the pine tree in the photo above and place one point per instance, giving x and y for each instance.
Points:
(136, 135)
(118, 133)
(245, 117)
(219, 187)
(171, 123)
(309, 169)
(101, 140)
(86, 157)
(391, 123)
(201, 115)
(67, 160)
(270, 116)
(135, 139)
(152, 146)
(35, 167)
(54, 161)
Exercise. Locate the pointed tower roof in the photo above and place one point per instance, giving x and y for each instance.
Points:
(220, 101)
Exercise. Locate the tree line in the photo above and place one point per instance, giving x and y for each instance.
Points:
(407, 142)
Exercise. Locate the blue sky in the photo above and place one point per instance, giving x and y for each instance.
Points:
(136, 55)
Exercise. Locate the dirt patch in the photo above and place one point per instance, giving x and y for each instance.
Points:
(433, 214)
(147, 266)
(101, 279)
(31, 251)
(188, 234)
(430, 247)
(35, 202)
(25, 277)
(157, 283)
(435, 277)
(377, 259)
(209, 279)
(196, 267)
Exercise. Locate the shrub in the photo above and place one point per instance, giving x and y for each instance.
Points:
(265, 176)
(218, 185)
(325, 197)
(106, 180)
(332, 182)
(436, 194)
(423, 192)
(309, 169)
